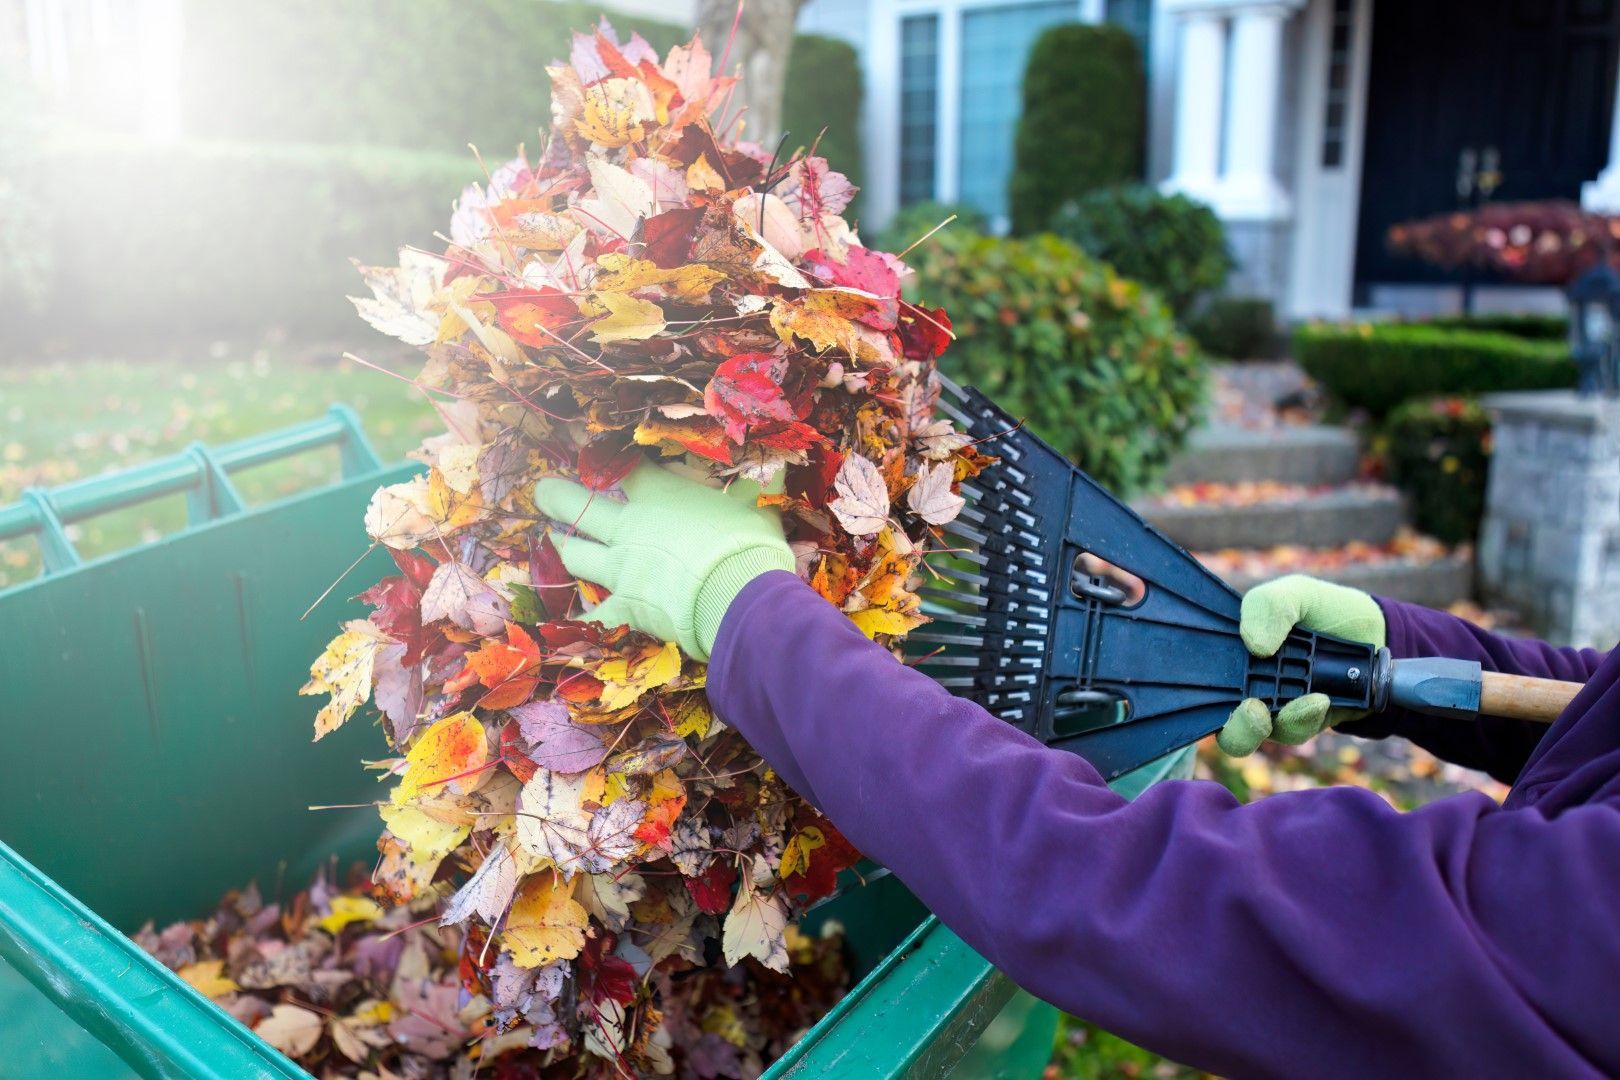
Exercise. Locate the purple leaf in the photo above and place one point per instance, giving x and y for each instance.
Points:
(557, 742)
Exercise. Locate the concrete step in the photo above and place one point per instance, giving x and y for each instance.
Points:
(1304, 454)
(1315, 518)
(1436, 583)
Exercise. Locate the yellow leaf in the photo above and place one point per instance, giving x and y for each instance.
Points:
(796, 853)
(628, 318)
(723, 1021)
(701, 176)
(545, 924)
(827, 319)
(618, 786)
(372, 1012)
(344, 671)
(451, 510)
(428, 837)
(875, 621)
(453, 747)
(614, 111)
(691, 716)
(625, 274)
(349, 909)
(207, 977)
(624, 686)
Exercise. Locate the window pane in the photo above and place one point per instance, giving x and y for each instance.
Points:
(995, 43)
(919, 106)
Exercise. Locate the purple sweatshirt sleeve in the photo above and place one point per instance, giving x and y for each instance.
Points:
(1499, 747)
(1312, 933)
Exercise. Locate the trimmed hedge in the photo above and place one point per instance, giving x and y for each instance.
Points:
(1082, 125)
(1236, 328)
(222, 238)
(1376, 366)
(1537, 327)
(1437, 450)
(1091, 360)
(423, 75)
(823, 90)
(1172, 244)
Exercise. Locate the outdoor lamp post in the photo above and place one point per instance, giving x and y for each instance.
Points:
(1594, 317)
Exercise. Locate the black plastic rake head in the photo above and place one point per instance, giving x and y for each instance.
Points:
(1020, 627)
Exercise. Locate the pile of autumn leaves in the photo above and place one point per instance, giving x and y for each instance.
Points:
(344, 987)
(648, 289)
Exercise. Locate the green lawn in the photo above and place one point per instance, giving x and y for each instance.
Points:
(61, 420)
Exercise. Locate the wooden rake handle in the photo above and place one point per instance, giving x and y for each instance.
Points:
(1519, 697)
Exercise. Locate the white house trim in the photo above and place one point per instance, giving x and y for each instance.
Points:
(1228, 64)
(1603, 194)
(1328, 199)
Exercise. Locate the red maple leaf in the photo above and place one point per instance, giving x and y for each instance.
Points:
(607, 459)
(712, 888)
(742, 393)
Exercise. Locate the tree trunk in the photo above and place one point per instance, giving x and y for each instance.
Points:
(759, 54)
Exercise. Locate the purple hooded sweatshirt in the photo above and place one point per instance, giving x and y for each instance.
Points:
(1312, 933)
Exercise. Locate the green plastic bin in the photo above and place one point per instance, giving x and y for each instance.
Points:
(157, 754)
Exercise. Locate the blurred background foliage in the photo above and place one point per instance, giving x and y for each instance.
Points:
(316, 133)
(1091, 360)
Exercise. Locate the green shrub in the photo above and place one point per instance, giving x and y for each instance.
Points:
(1172, 244)
(1235, 327)
(1537, 327)
(1437, 450)
(423, 75)
(1082, 122)
(1376, 366)
(912, 223)
(202, 238)
(823, 90)
(1091, 360)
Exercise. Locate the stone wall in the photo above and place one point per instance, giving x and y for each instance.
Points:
(1549, 546)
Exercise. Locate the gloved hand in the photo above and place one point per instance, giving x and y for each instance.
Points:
(674, 555)
(1270, 611)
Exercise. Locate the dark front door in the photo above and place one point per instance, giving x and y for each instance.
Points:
(1533, 79)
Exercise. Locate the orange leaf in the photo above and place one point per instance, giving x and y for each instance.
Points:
(452, 748)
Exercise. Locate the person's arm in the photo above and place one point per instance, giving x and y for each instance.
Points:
(1497, 746)
(1314, 933)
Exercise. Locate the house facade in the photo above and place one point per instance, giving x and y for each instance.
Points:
(1310, 126)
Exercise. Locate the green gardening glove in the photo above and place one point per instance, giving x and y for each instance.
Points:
(674, 555)
(1270, 611)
